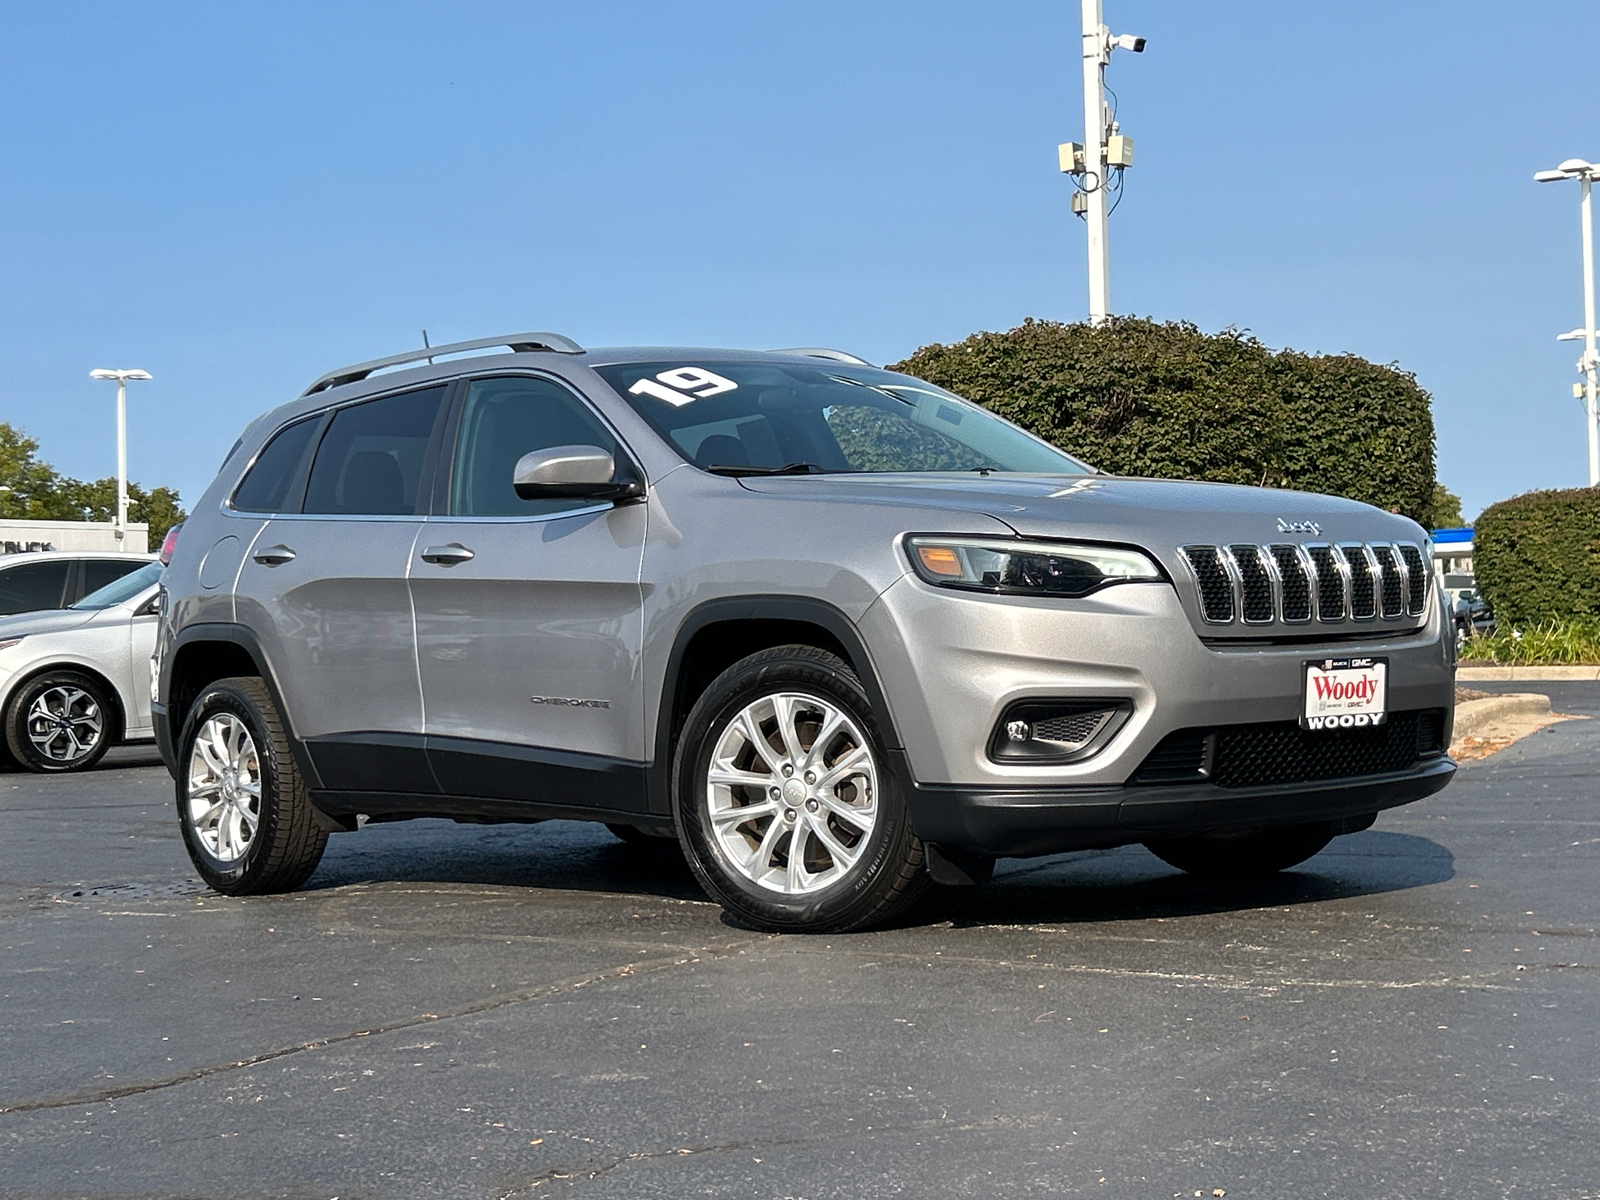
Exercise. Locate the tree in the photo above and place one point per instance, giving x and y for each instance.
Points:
(36, 491)
(1141, 397)
(1446, 508)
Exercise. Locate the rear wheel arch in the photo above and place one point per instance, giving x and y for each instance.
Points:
(203, 654)
(199, 660)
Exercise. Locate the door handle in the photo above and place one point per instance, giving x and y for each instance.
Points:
(447, 556)
(274, 556)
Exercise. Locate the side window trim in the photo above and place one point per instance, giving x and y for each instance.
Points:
(446, 458)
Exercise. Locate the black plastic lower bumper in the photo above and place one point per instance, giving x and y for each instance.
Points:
(1019, 822)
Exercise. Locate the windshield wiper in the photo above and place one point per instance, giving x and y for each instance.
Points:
(794, 468)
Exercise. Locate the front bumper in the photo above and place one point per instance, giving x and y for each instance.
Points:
(1018, 822)
(952, 663)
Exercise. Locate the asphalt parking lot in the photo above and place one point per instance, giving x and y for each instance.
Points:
(538, 1011)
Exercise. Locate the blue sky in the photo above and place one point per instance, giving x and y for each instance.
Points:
(239, 197)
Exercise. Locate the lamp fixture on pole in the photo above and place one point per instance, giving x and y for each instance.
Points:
(122, 377)
(1584, 173)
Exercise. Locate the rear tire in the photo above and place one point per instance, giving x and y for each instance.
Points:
(1253, 856)
(246, 817)
(60, 721)
(787, 736)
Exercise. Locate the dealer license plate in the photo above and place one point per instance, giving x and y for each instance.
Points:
(1345, 693)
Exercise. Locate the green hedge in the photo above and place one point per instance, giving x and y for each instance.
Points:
(1140, 397)
(1536, 557)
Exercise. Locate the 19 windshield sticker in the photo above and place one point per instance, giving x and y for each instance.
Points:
(682, 385)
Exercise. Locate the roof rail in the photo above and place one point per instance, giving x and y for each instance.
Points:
(824, 352)
(518, 343)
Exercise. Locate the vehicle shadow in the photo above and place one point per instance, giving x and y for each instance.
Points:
(119, 757)
(1126, 884)
(1131, 884)
(552, 855)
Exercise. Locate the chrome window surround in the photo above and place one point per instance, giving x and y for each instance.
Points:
(1224, 557)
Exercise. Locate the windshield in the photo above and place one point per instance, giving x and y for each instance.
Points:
(743, 418)
(126, 588)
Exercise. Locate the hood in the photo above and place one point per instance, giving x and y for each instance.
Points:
(1156, 515)
(50, 620)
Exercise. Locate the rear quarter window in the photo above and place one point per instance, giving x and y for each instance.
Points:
(265, 487)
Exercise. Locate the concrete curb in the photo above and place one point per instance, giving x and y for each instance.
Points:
(1465, 673)
(1474, 716)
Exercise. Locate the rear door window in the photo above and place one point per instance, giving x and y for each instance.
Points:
(97, 572)
(266, 487)
(31, 586)
(371, 459)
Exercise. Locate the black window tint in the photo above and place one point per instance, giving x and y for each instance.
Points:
(97, 572)
(503, 419)
(370, 460)
(266, 487)
(33, 586)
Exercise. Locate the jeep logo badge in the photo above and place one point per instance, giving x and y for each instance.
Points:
(1310, 527)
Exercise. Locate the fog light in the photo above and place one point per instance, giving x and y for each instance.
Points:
(1057, 731)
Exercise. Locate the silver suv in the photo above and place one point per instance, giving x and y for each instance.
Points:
(835, 630)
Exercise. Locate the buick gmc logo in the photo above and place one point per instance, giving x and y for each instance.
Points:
(1311, 527)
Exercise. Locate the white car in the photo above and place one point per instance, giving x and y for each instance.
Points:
(76, 681)
(38, 579)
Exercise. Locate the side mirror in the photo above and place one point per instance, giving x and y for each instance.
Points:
(573, 473)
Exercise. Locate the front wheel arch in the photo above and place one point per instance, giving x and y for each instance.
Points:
(784, 620)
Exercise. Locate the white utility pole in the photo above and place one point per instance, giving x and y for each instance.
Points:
(1096, 53)
(1102, 150)
(1584, 173)
(122, 377)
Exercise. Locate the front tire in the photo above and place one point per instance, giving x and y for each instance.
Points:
(246, 817)
(1253, 856)
(60, 721)
(786, 808)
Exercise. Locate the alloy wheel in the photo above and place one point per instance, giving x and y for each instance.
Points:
(65, 723)
(791, 793)
(224, 787)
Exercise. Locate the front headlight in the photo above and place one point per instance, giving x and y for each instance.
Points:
(1027, 568)
(10, 642)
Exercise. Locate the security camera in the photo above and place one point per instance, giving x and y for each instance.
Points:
(1126, 41)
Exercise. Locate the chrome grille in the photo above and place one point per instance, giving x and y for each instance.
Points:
(1296, 583)
(1363, 594)
(1259, 585)
(1393, 589)
(1255, 585)
(1216, 589)
(1417, 574)
(1330, 572)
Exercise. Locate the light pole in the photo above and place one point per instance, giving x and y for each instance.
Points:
(122, 378)
(1102, 151)
(1584, 173)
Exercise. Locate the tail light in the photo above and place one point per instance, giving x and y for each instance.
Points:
(169, 544)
